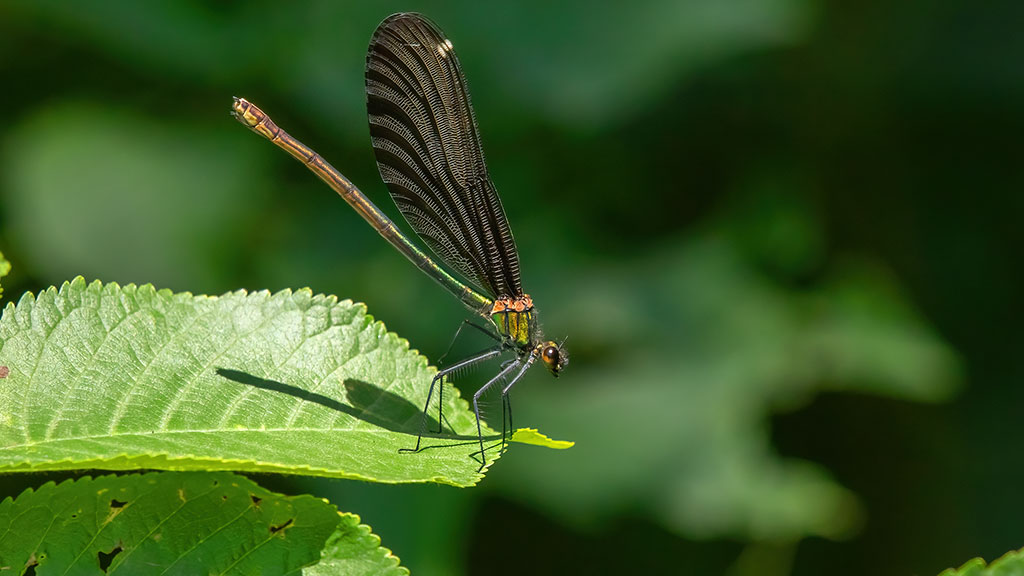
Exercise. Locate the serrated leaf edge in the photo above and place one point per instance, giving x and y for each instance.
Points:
(980, 563)
(29, 300)
(366, 529)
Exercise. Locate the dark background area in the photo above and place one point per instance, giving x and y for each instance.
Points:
(782, 237)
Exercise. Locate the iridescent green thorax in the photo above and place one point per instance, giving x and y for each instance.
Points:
(515, 319)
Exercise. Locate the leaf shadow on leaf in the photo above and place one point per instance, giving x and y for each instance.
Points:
(369, 403)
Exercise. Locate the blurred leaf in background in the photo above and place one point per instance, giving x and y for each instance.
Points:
(5, 269)
(671, 411)
(113, 194)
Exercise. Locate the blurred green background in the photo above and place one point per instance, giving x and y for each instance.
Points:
(780, 235)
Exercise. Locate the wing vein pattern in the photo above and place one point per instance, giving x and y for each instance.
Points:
(428, 151)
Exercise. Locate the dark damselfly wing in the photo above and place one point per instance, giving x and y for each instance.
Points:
(428, 152)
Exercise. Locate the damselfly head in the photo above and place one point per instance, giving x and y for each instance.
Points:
(554, 357)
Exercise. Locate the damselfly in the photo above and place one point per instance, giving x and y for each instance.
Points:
(428, 151)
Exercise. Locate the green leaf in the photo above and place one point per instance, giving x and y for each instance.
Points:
(181, 523)
(124, 378)
(1011, 564)
(532, 436)
(353, 550)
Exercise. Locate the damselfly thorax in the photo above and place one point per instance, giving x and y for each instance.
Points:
(516, 320)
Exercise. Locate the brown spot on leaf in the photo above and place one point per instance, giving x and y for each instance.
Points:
(116, 506)
(280, 527)
(106, 558)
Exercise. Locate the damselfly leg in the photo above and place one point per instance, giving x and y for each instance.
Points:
(438, 382)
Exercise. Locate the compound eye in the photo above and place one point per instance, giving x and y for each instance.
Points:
(551, 356)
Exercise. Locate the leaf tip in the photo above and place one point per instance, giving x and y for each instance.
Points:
(532, 436)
